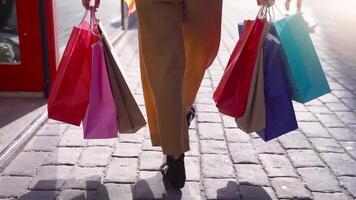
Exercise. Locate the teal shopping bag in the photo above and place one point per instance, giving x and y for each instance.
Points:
(305, 74)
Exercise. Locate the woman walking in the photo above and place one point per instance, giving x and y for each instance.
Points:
(178, 41)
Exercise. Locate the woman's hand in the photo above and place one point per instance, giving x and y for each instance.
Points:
(265, 2)
(86, 4)
(97, 4)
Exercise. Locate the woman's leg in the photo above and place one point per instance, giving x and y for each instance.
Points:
(287, 5)
(299, 5)
(201, 32)
(162, 68)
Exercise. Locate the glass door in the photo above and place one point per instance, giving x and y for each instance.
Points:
(21, 67)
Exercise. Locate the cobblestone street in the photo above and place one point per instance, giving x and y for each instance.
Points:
(316, 162)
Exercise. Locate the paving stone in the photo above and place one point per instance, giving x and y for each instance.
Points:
(270, 147)
(213, 147)
(102, 142)
(337, 107)
(52, 129)
(329, 98)
(205, 90)
(84, 178)
(319, 179)
(221, 189)
(131, 138)
(305, 158)
(95, 157)
(251, 175)
(194, 150)
(330, 120)
(77, 195)
(11, 186)
(236, 135)
(350, 184)
(319, 110)
(208, 117)
(127, 150)
(42, 143)
(343, 134)
(50, 178)
(208, 131)
(350, 147)
(150, 160)
(217, 166)
(250, 192)
(193, 124)
(204, 99)
(39, 195)
(290, 188)
(342, 94)
(340, 163)
(294, 140)
(122, 170)
(191, 190)
(229, 122)
(326, 145)
(299, 107)
(193, 135)
(347, 117)
(64, 156)
(243, 153)
(329, 196)
(315, 102)
(206, 108)
(350, 102)
(305, 117)
(192, 167)
(26, 163)
(313, 129)
(336, 86)
(72, 138)
(147, 146)
(277, 165)
(149, 186)
(115, 192)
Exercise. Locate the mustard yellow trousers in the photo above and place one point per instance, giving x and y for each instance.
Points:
(178, 41)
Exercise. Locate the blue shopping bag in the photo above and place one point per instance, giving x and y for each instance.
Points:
(305, 74)
(280, 115)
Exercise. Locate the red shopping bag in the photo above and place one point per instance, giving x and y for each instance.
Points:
(231, 95)
(69, 96)
(100, 120)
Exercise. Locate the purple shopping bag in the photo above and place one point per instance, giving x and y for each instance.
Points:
(100, 121)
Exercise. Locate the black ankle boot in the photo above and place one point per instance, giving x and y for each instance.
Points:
(174, 172)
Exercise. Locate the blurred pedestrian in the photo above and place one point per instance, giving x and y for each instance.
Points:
(299, 5)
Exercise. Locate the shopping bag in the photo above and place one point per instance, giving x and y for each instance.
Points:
(129, 116)
(280, 116)
(232, 93)
(254, 118)
(305, 73)
(69, 96)
(100, 119)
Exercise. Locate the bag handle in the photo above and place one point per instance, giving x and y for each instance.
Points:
(93, 22)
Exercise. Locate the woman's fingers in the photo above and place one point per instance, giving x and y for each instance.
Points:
(97, 4)
(266, 2)
(86, 3)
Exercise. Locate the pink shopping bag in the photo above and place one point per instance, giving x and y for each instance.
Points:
(100, 121)
(69, 96)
